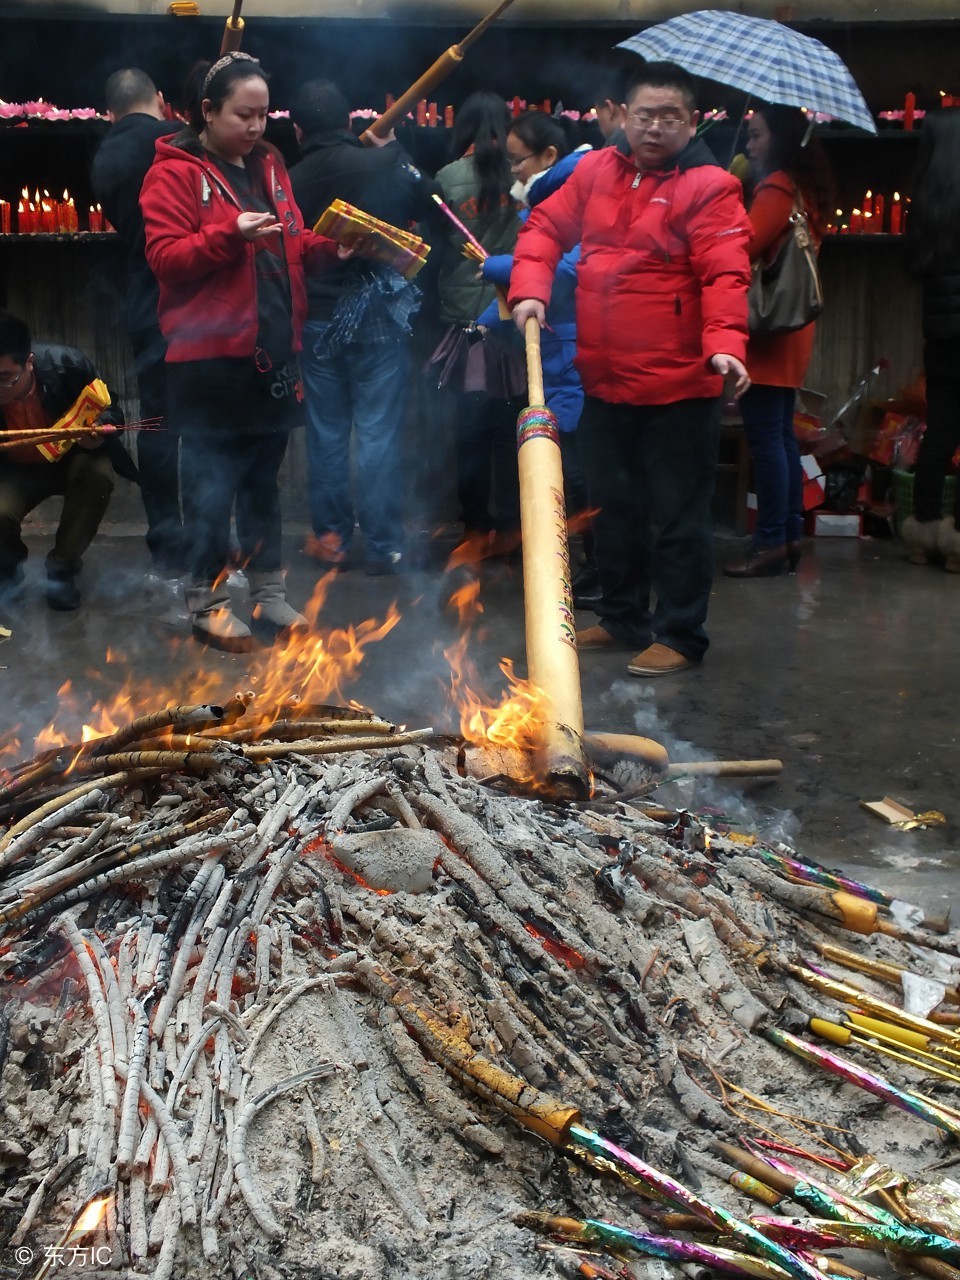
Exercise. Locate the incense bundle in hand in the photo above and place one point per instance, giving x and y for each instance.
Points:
(379, 240)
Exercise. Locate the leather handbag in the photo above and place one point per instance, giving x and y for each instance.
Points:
(786, 294)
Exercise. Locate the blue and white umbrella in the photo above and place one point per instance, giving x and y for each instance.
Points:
(763, 58)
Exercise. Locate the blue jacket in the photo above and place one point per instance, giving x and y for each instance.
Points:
(558, 343)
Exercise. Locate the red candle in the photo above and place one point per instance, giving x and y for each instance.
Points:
(448, 117)
(856, 222)
(422, 113)
(896, 214)
(432, 115)
(546, 106)
(878, 211)
(5, 217)
(909, 107)
(390, 101)
(867, 226)
(96, 218)
(515, 107)
(48, 218)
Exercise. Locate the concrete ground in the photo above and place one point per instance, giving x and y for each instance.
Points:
(848, 672)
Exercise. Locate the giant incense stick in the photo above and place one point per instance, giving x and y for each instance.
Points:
(232, 30)
(447, 62)
(552, 661)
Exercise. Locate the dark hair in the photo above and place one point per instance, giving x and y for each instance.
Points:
(319, 107)
(128, 89)
(662, 75)
(612, 88)
(537, 131)
(933, 228)
(795, 150)
(482, 123)
(15, 340)
(219, 88)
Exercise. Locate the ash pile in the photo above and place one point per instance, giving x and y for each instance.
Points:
(298, 1001)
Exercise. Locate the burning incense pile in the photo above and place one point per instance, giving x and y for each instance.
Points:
(286, 996)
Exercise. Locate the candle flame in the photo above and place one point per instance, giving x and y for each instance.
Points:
(896, 195)
(868, 196)
(25, 193)
(66, 194)
(839, 213)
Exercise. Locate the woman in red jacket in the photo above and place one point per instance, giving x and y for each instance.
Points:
(227, 244)
(785, 163)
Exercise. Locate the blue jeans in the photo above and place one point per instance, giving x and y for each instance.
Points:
(361, 389)
(777, 474)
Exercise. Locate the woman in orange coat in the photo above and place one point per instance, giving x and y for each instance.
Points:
(785, 163)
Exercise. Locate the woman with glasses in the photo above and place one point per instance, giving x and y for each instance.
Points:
(787, 167)
(483, 377)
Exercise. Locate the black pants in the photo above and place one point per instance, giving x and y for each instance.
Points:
(85, 479)
(650, 470)
(221, 470)
(941, 362)
(576, 497)
(487, 471)
(157, 455)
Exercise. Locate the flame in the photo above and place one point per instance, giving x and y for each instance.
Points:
(308, 668)
(90, 1216)
(514, 722)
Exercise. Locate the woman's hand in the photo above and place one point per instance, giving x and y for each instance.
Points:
(254, 226)
(732, 370)
(352, 248)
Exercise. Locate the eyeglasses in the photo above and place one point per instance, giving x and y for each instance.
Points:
(519, 160)
(7, 383)
(669, 121)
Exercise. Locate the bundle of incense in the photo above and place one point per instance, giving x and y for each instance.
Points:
(81, 415)
(473, 250)
(347, 224)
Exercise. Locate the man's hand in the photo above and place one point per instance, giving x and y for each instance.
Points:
(377, 141)
(527, 308)
(92, 440)
(731, 367)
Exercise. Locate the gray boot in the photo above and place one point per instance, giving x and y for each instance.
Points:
(214, 622)
(921, 539)
(948, 541)
(271, 612)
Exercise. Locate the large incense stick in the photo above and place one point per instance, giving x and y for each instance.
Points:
(232, 30)
(552, 661)
(447, 62)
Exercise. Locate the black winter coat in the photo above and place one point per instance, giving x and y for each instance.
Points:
(119, 168)
(381, 181)
(62, 373)
(941, 306)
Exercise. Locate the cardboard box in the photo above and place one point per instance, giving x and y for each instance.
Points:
(836, 524)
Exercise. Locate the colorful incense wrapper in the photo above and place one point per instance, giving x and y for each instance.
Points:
(84, 411)
(874, 1084)
(820, 1233)
(746, 1236)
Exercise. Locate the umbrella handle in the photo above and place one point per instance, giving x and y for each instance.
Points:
(531, 334)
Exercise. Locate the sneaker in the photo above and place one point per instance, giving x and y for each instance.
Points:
(659, 660)
(163, 589)
(386, 567)
(62, 591)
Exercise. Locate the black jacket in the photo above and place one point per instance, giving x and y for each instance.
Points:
(381, 181)
(941, 306)
(62, 373)
(119, 168)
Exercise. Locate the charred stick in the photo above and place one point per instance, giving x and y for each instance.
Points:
(101, 1017)
(178, 1156)
(331, 746)
(165, 761)
(241, 1169)
(130, 1109)
(354, 796)
(390, 1178)
(213, 876)
(192, 718)
(35, 831)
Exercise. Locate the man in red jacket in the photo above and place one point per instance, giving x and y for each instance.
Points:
(661, 321)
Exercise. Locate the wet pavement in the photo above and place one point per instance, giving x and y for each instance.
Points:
(847, 672)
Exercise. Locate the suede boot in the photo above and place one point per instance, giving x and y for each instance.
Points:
(271, 612)
(214, 622)
(921, 539)
(948, 541)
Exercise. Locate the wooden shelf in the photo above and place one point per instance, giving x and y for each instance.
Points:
(56, 237)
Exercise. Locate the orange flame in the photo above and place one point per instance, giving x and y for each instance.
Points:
(90, 1217)
(309, 667)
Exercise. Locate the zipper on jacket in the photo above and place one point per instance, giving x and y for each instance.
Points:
(677, 308)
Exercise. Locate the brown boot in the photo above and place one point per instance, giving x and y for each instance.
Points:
(921, 539)
(659, 660)
(948, 543)
(759, 562)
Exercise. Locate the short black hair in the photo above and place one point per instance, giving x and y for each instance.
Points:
(320, 107)
(663, 75)
(15, 340)
(127, 89)
(611, 88)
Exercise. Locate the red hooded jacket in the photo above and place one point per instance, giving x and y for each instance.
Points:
(663, 275)
(204, 266)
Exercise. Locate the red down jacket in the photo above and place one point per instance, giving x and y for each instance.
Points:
(663, 276)
(204, 266)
